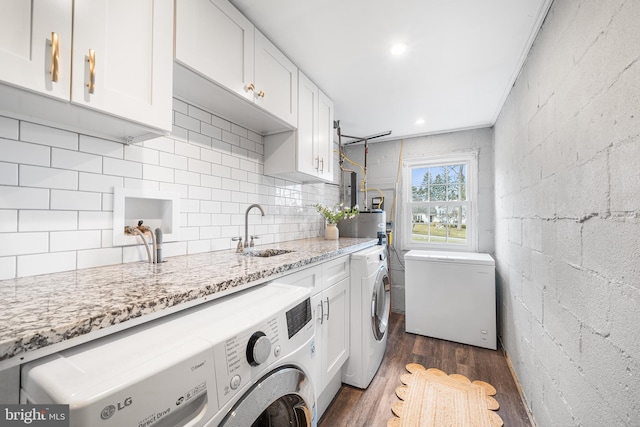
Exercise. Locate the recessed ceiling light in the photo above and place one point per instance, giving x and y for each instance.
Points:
(420, 121)
(398, 48)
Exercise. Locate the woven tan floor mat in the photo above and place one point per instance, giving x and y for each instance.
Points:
(431, 398)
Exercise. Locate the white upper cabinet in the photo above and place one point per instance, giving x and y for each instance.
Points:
(306, 154)
(214, 39)
(35, 45)
(219, 52)
(276, 81)
(132, 72)
(110, 62)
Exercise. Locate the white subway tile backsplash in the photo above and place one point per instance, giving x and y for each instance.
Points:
(102, 147)
(76, 200)
(48, 220)
(30, 265)
(161, 143)
(23, 198)
(209, 206)
(211, 131)
(74, 240)
(122, 168)
(180, 106)
(89, 220)
(31, 132)
(99, 183)
(8, 173)
(186, 122)
(173, 161)
(37, 176)
(185, 177)
(198, 246)
(157, 173)
(231, 184)
(230, 161)
(210, 181)
(199, 193)
(211, 156)
(8, 221)
(198, 219)
(198, 140)
(213, 165)
(188, 150)
(65, 159)
(23, 243)
(240, 131)
(8, 128)
(223, 147)
(199, 166)
(99, 257)
(7, 268)
(220, 123)
(199, 114)
(140, 154)
(24, 153)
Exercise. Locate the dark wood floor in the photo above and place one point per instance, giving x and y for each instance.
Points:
(353, 407)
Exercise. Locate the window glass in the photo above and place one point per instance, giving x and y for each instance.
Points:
(439, 204)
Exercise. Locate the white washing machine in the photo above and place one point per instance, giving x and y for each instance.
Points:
(243, 360)
(370, 307)
(451, 296)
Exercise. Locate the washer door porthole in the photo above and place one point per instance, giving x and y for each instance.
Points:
(381, 304)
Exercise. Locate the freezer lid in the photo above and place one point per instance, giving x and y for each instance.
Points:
(454, 257)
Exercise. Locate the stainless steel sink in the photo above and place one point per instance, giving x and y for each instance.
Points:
(265, 252)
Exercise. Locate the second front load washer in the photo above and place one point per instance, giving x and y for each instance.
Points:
(370, 307)
(242, 360)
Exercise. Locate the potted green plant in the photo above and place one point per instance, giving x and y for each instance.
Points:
(334, 215)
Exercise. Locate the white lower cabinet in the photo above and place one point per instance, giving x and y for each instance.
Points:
(329, 284)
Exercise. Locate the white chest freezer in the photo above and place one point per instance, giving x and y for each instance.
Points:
(451, 296)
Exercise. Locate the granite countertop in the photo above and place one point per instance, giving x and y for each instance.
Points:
(43, 314)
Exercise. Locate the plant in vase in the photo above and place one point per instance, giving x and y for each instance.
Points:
(334, 215)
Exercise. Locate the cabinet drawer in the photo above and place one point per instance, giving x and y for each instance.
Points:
(307, 278)
(335, 270)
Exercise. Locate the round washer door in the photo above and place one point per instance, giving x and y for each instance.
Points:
(381, 303)
(283, 398)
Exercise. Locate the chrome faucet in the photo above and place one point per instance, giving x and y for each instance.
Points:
(246, 222)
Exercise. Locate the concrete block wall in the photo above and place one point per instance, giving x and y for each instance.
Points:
(56, 192)
(567, 147)
(382, 174)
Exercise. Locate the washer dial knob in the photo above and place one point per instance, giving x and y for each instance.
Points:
(258, 348)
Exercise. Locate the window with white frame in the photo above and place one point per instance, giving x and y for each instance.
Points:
(439, 196)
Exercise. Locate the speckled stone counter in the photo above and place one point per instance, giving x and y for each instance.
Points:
(43, 314)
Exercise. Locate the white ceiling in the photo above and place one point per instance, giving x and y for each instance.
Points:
(462, 58)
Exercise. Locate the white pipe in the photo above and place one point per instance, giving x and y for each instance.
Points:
(144, 240)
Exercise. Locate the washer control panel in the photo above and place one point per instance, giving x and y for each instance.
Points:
(246, 356)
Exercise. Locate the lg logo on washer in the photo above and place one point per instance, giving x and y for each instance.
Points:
(109, 410)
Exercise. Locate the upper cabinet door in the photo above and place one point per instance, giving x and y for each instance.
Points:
(276, 81)
(214, 39)
(307, 125)
(325, 136)
(34, 36)
(123, 58)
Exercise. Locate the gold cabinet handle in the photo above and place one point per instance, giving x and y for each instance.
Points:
(261, 94)
(322, 163)
(250, 87)
(55, 57)
(317, 167)
(92, 70)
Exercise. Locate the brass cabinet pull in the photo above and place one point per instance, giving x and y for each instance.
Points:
(322, 162)
(250, 87)
(55, 57)
(261, 94)
(317, 167)
(92, 70)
